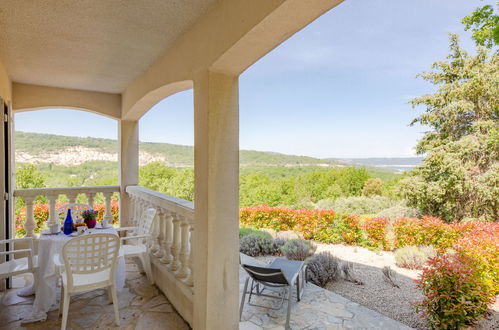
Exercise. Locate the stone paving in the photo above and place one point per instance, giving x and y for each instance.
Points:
(142, 306)
(318, 309)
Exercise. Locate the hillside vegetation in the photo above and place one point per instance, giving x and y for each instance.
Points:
(266, 178)
(46, 145)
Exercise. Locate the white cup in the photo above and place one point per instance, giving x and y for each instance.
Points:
(81, 229)
(104, 223)
(54, 229)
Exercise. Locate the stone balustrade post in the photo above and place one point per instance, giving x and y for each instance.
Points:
(185, 248)
(152, 243)
(160, 234)
(90, 198)
(29, 224)
(189, 280)
(107, 201)
(53, 218)
(133, 208)
(71, 198)
(175, 264)
(166, 244)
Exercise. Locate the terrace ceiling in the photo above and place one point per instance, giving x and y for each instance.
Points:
(93, 44)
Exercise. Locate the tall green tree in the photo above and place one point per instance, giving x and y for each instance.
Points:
(484, 23)
(460, 175)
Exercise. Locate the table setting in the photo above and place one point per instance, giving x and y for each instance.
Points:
(50, 244)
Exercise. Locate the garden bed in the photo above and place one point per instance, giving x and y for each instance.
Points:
(377, 294)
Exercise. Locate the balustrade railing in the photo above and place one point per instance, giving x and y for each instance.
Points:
(52, 194)
(172, 233)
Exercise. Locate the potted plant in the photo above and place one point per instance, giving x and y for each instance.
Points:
(89, 217)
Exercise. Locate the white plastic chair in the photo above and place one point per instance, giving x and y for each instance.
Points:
(89, 264)
(13, 267)
(141, 234)
(76, 211)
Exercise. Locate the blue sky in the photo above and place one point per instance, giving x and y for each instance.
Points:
(338, 88)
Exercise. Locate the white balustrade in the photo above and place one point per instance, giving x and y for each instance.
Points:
(52, 217)
(189, 280)
(184, 248)
(156, 234)
(167, 227)
(172, 235)
(108, 215)
(90, 198)
(175, 264)
(30, 224)
(29, 196)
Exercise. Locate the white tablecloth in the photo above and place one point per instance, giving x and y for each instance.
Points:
(46, 278)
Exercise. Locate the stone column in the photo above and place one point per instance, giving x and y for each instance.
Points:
(128, 161)
(216, 161)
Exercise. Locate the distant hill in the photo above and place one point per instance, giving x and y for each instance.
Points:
(69, 150)
(395, 163)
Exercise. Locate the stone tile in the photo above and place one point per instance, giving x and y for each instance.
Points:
(11, 298)
(141, 305)
(125, 297)
(128, 317)
(13, 313)
(248, 326)
(318, 309)
(153, 320)
(87, 316)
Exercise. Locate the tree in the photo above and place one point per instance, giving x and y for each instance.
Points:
(27, 177)
(459, 177)
(485, 26)
(182, 184)
(156, 176)
(373, 187)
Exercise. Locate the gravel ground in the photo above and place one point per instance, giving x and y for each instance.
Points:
(376, 293)
(379, 295)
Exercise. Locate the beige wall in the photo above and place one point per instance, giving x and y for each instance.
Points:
(32, 97)
(5, 94)
(5, 84)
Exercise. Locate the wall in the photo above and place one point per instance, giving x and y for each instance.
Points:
(33, 97)
(5, 84)
(6, 95)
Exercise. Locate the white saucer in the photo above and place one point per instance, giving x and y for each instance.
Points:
(99, 226)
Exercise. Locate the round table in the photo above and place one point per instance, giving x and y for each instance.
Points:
(46, 276)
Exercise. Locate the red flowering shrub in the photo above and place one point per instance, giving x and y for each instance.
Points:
(321, 225)
(350, 229)
(276, 218)
(115, 212)
(311, 222)
(407, 232)
(429, 231)
(481, 247)
(455, 293)
(377, 232)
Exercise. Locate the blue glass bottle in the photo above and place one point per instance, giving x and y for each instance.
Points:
(68, 224)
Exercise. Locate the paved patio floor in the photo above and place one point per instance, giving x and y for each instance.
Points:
(142, 306)
(318, 309)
